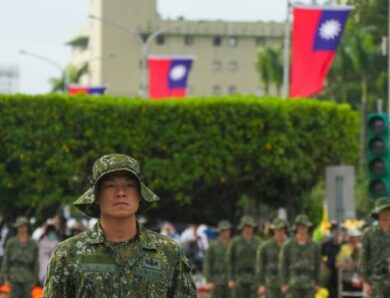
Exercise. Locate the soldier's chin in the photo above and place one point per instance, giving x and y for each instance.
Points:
(122, 214)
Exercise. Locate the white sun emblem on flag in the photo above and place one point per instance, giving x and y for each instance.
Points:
(178, 72)
(330, 29)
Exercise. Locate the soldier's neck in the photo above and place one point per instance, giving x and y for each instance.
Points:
(279, 241)
(384, 226)
(301, 239)
(224, 241)
(23, 237)
(119, 229)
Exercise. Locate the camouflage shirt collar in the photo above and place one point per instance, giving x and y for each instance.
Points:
(95, 235)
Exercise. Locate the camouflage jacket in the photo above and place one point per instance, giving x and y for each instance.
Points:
(374, 260)
(85, 266)
(267, 260)
(21, 262)
(214, 267)
(240, 259)
(300, 265)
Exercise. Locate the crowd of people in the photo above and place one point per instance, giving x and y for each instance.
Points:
(24, 254)
(114, 254)
(222, 264)
(285, 263)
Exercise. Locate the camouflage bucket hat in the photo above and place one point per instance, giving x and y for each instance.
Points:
(246, 220)
(278, 223)
(20, 221)
(223, 225)
(302, 219)
(380, 205)
(109, 164)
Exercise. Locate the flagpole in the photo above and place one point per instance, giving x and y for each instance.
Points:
(286, 65)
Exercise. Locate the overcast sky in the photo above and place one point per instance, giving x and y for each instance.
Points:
(44, 26)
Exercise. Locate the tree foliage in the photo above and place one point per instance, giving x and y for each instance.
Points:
(200, 155)
(74, 75)
(269, 65)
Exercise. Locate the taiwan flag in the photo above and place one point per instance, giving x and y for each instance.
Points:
(316, 34)
(93, 90)
(168, 76)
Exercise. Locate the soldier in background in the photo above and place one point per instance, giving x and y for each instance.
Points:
(21, 265)
(300, 262)
(375, 253)
(214, 267)
(240, 258)
(267, 261)
(118, 257)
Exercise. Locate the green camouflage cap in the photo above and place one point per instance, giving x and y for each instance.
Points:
(223, 225)
(278, 223)
(380, 205)
(109, 164)
(246, 220)
(302, 219)
(20, 221)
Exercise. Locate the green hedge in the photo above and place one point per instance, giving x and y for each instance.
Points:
(200, 155)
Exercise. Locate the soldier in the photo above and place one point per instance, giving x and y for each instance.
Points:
(118, 257)
(300, 262)
(240, 257)
(214, 267)
(21, 264)
(267, 261)
(375, 253)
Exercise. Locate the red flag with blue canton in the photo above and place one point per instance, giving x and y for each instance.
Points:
(168, 76)
(317, 31)
(93, 90)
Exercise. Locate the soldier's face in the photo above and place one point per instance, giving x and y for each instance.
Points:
(225, 234)
(280, 233)
(22, 229)
(247, 231)
(118, 196)
(302, 230)
(384, 216)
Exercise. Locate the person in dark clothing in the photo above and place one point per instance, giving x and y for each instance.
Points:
(329, 250)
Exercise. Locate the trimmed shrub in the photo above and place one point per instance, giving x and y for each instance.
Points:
(200, 155)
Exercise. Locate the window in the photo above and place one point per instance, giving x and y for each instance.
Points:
(232, 90)
(233, 66)
(217, 41)
(188, 40)
(233, 41)
(160, 39)
(216, 90)
(260, 41)
(217, 65)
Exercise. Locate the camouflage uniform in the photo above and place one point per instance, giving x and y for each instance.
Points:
(87, 265)
(21, 264)
(375, 255)
(240, 258)
(267, 260)
(300, 265)
(214, 268)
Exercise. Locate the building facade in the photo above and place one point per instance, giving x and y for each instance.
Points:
(9, 79)
(225, 52)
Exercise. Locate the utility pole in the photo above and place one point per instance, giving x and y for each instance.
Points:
(53, 63)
